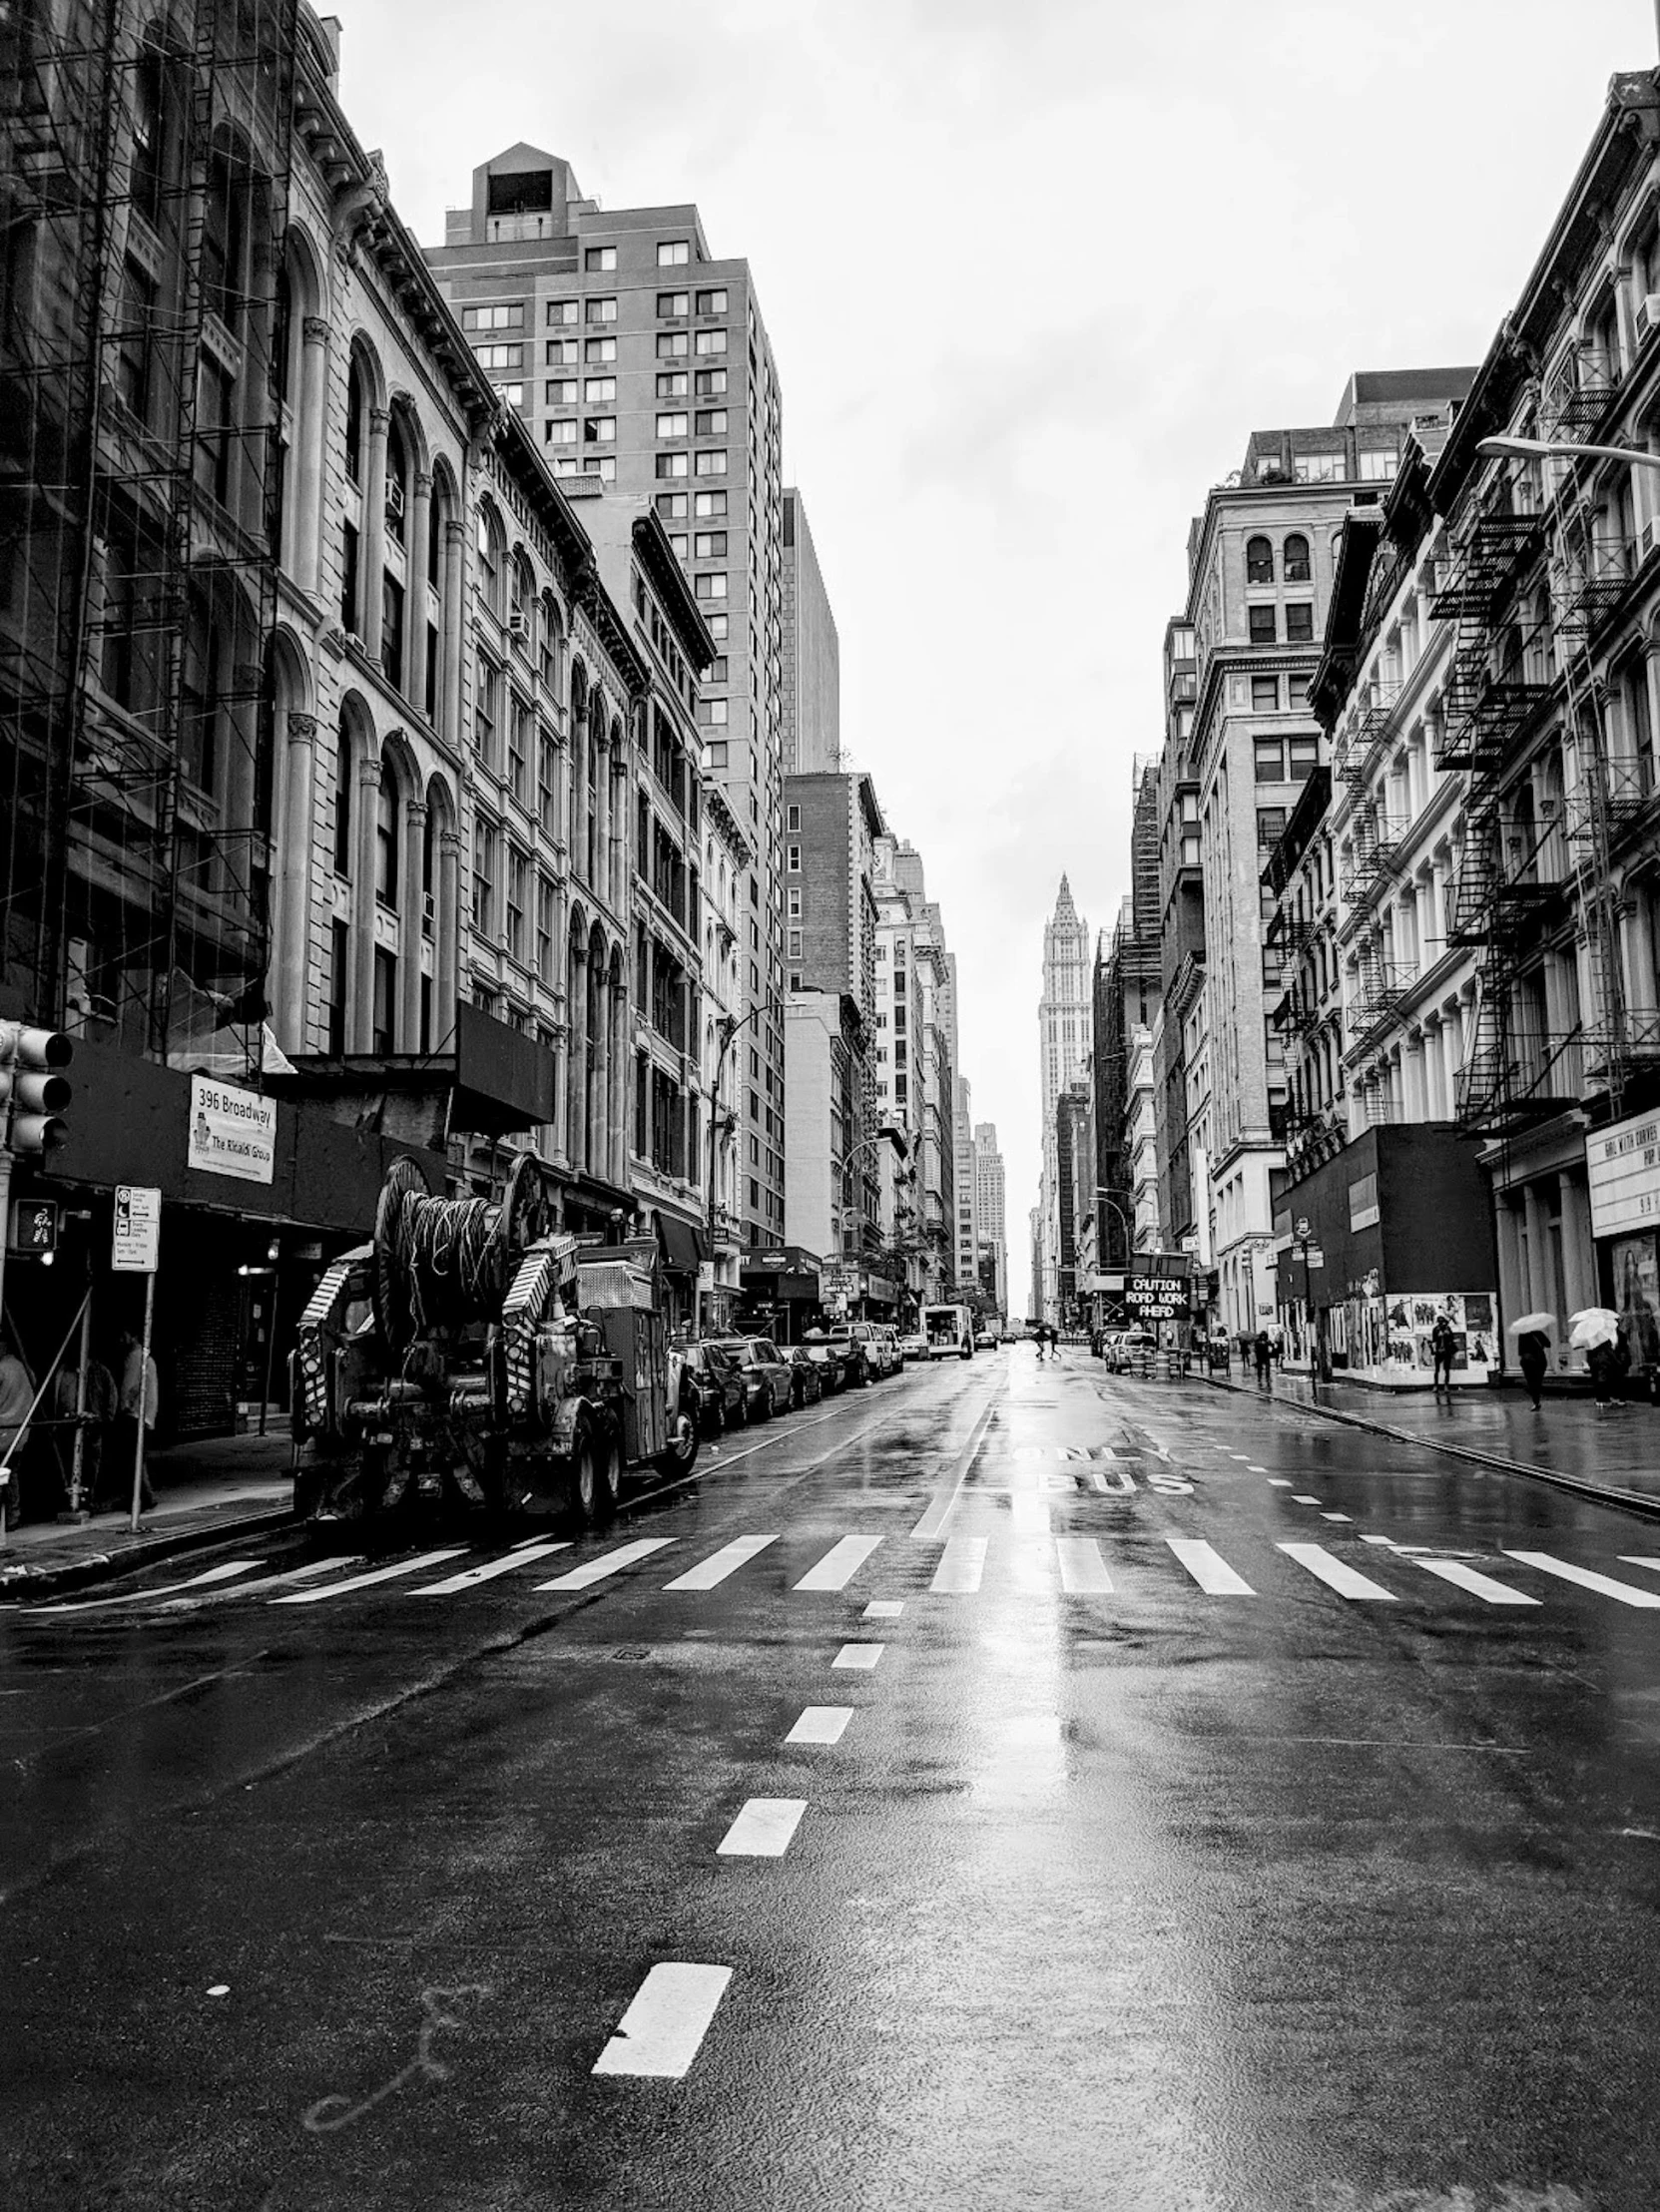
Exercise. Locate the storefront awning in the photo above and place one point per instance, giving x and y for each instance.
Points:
(684, 1249)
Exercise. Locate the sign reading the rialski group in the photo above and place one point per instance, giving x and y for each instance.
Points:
(233, 1132)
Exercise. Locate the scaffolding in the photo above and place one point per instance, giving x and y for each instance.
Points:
(1532, 595)
(143, 362)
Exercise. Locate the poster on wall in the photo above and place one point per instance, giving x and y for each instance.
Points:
(1411, 1329)
(1637, 1297)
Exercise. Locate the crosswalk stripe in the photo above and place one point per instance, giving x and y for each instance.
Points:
(861, 1658)
(820, 1723)
(1335, 1573)
(1208, 1569)
(610, 1562)
(223, 1572)
(522, 1555)
(839, 1564)
(375, 1574)
(1627, 1593)
(1478, 1585)
(883, 1609)
(962, 1565)
(1639, 1559)
(662, 2030)
(763, 1828)
(1082, 1568)
(707, 1573)
(306, 1573)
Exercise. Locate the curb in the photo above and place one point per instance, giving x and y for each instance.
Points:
(1599, 1494)
(22, 1581)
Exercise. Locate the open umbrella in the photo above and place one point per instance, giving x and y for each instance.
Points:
(1531, 1325)
(1597, 1325)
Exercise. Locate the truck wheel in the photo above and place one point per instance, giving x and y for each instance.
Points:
(586, 1449)
(680, 1453)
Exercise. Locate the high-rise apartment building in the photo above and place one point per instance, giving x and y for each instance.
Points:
(636, 357)
(811, 653)
(992, 1257)
(1064, 1032)
(967, 1183)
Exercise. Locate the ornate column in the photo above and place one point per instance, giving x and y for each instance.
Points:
(417, 529)
(360, 1012)
(294, 886)
(445, 942)
(305, 544)
(373, 549)
(453, 638)
(576, 1074)
(408, 1017)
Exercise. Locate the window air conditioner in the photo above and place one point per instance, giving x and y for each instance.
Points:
(1647, 315)
(518, 625)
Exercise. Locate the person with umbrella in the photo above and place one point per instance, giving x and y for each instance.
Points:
(1532, 1335)
(1597, 1333)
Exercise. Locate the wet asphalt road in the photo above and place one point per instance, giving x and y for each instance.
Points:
(1139, 1861)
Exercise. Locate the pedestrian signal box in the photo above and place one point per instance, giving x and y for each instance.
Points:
(33, 1225)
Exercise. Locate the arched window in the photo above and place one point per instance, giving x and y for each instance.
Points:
(521, 597)
(552, 645)
(489, 558)
(386, 837)
(342, 802)
(355, 405)
(1259, 561)
(1297, 558)
(398, 480)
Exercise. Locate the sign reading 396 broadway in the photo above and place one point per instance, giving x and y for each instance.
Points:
(1622, 1167)
(233, 1132)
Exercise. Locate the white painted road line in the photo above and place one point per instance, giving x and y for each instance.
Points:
(1333, 1516)
(522, 1555)
(662, 2029)
(1082, 1568)
(861, 1657)
(1302, 1497)
(820, 1723)
(707, 1573)
(883, 1609)
(223, 1572)
(1335, 1574)
(763, 1828)
(1028, 1516)
(1479, 1585)
(962, 1565)
(367, 1581)
(1251, 1468)
(610, 1562)
(1278, 1481)
(1208, 1569)
(1604, 1584)
(839, 1564)
(932, 1523)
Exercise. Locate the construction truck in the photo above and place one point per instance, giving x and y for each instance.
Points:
(470, 1354)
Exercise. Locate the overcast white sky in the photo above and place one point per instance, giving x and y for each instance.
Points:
(1032, 272)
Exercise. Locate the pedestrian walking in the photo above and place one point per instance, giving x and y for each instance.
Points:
(1533, 1357)
(1441, 1346)
(139, 1402)
(1264, 1350)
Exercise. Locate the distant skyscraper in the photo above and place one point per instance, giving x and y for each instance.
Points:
(637, 358)
(1064, 1025)
(989, 1182)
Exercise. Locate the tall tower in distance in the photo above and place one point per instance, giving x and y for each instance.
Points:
(1063, 1024)
(992, 1257)
(641, 367)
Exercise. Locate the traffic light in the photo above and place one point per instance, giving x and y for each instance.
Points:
(35, 1227)
(33, 1092)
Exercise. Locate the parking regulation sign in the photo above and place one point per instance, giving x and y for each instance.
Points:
(138, 1230)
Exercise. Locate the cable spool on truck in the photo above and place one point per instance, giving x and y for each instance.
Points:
(471, 1353)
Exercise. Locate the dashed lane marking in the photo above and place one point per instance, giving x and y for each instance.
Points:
(714, 1569)
(1337, 1575)
(883, 1609)
(660, 2032)
(763, 1828)
(839, 1564)
(609, 1563)
(1302, 1497)
(820, 1723)
(861, 1658)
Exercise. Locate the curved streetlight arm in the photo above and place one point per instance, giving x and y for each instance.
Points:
(730, 1027)
(1563, 449)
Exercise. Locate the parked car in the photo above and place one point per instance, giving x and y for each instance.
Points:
(806, 1385)
(1133, 1348)
(765, 1378)
(723, 1402)
(985, 1340)
(859, 1350)
(826, 1356)
(914, 1345)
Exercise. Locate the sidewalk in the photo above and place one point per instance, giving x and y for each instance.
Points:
(1613, 1455)
(206, 1492)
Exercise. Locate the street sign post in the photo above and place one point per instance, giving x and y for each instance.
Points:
(137, 1250)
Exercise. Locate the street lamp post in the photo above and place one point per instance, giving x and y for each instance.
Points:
(730, 1026)
(1563, 449)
